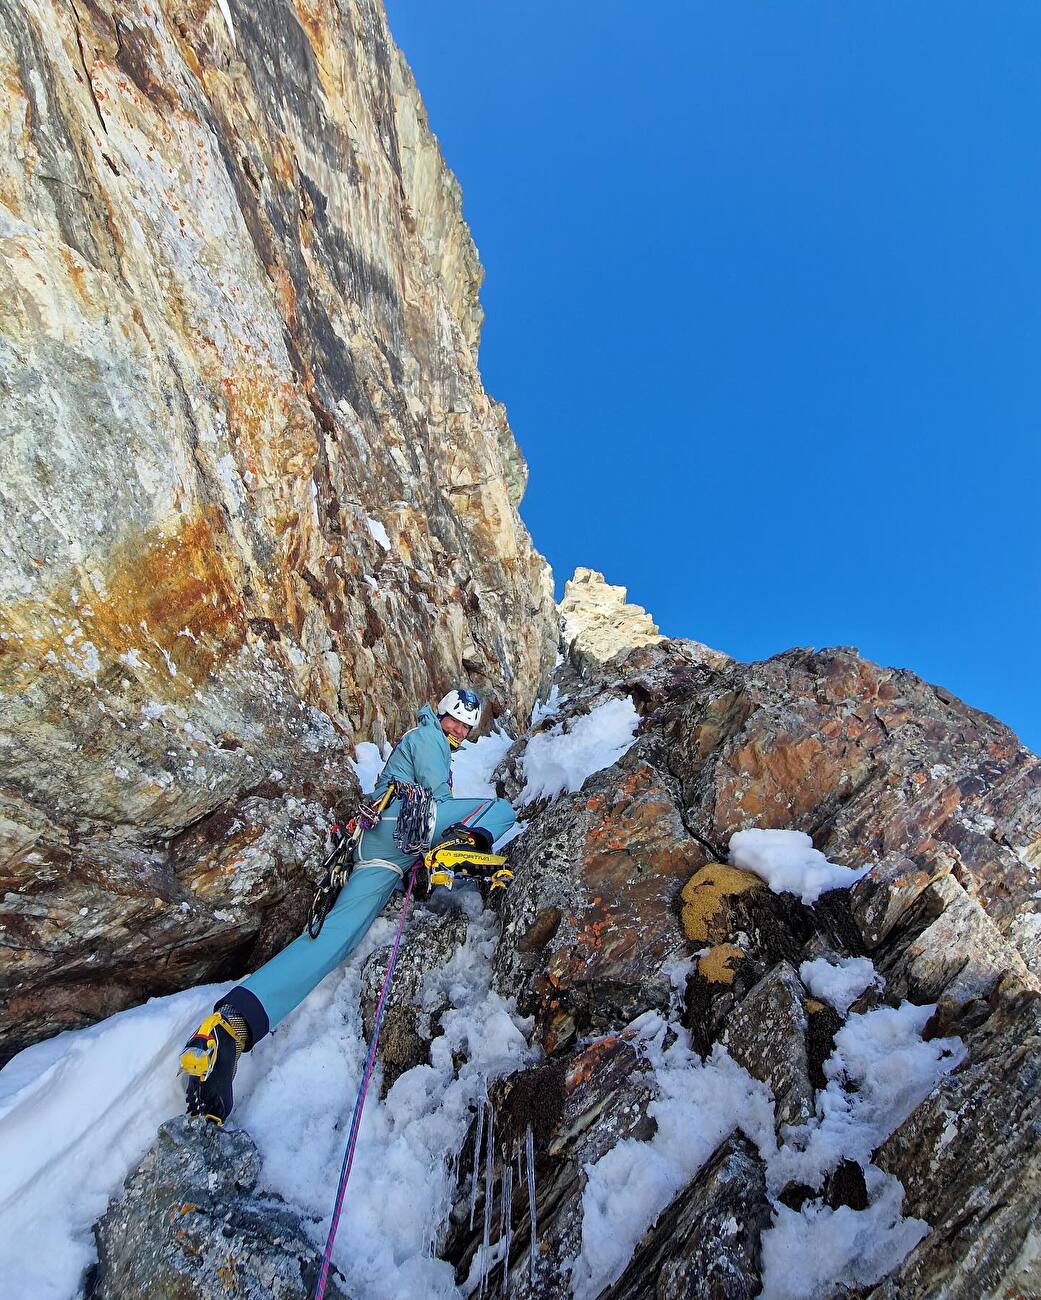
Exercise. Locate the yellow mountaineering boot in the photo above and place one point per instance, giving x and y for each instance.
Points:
(209, 1060)
(466, 853)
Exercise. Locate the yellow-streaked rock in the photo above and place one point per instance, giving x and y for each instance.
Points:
(718, 965)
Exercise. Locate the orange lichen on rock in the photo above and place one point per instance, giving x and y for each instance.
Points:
(704, 897)
(586, 1062)
(718, 965)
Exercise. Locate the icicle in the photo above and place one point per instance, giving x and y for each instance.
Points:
(507, 1218)
(477, 1153)
(529, 1152)
(489, 1195)
(502, 1202)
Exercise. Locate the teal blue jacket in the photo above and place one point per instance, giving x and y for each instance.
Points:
(421, 757)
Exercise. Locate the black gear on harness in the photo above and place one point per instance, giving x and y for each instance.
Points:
(339, 863)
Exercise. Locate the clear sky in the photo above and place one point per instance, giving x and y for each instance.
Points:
(763, 300)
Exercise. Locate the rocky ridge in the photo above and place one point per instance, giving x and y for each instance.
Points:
(257, 502)
(625, 913)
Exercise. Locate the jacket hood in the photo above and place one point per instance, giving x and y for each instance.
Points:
(426, 717)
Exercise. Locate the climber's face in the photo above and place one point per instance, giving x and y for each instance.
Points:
(454, 727)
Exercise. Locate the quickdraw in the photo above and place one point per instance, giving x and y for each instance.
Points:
(338, 865)
(417, 818)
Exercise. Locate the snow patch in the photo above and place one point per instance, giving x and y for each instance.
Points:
(699, 1104)
(839, 981)
(547, 708)
(558, 760)
(474, 762)
(880, 1070)
(368, 764)
(379, 533)
(789, 863)
(878, 1073)
(808, 1250)
(77, 1112)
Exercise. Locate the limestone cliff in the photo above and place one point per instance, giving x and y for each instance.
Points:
(257, 505)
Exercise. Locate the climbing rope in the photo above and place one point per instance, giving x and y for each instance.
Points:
(370, 1061)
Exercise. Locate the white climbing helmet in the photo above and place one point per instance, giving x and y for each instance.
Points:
(461, 704)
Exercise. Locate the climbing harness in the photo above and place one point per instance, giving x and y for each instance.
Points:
(370, 1061)
(337, 867)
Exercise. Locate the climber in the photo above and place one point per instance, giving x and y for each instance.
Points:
(422, 757)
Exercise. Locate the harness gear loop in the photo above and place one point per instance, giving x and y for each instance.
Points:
(338, 865)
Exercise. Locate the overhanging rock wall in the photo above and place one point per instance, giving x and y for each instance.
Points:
(257, 505)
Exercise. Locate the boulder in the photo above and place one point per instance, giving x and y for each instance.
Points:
(705, 1246)
(767, 1034)
(189, 1225)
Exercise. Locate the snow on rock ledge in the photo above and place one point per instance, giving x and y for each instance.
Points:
(562, 757)
(789, 863)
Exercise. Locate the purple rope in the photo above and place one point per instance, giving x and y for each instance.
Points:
(352, 1139)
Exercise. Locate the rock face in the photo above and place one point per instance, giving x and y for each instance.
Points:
(970, 1161)
(598, 622)
(624, 903)
(257, 503)
(706, 1245)
(258, 507)
(188, 1226)
(623, 915)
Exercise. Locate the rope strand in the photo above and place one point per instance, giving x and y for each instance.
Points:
(370, 1061)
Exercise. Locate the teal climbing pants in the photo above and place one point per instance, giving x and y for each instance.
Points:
(282, 983)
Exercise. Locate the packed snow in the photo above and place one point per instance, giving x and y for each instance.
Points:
(839, 981)
(808, 1251)
(880, 1070)
(368, 763)
(558, 760)
(789, 863)
(474, 762)
(76, 1114)
(378, 533)
(78, 1111)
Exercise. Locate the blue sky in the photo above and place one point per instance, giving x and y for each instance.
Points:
(763, 300)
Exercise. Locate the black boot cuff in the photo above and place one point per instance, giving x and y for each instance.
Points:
(250, 1008)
